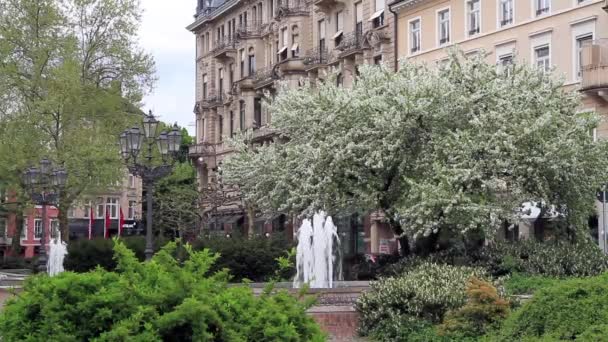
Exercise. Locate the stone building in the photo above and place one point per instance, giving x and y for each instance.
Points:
(243, 49)
(567, 37)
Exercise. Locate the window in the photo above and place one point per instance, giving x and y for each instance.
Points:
(24, 228)
(339, 28)
(415, 35)
(204, 86)
(37, 229)
(358, 19)
(542, 6)
(321, 30)
(221, 127)
(295, 47)
(220, 81)
(473, 16)
(543, 57)
(131, 181)
(580, 42)
(443, 20)
(283, 51)
(100, 208)
(339, 80)
(505, 9)
(87, 210)
(131, 211)
(505, 60)
(112, 207)
(242, 115)
(378, 60)
(203, 130)
(257, 112)
(71, 212)
(231, 123)
(231, 75)
(242, 52)
(2, 227)
(54, 228)
(377, 18)
(251, 61)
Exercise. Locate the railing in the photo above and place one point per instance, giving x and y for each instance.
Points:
(316, 56)
(200, 150)
(224, 43)
(351, 41)
(212, 99)
(264, 74)
(251, 28)
(287, 9)
(594, 65)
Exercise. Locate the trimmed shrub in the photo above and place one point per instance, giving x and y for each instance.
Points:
(400, 305)
(85, 255)
(563, 311)
(160, 300)
(483, 310)
(249, 258)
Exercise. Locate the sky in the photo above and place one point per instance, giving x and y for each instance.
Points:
(163, 34)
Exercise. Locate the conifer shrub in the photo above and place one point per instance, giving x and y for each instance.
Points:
(483, 310)
(85, 255)
(406, 307)
(165, 299)
(567, 310)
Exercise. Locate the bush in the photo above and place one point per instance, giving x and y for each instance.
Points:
(160, 300)
(249, 258)
(563, 311)
(18, 262)
(594, 333)
(86, 255)
(397, 306)
(518, 284)
(551, 258)
(483, 310)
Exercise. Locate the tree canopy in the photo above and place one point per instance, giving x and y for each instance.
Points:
(72, 75)
(460, 147)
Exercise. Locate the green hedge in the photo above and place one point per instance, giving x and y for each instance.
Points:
(249, 258)
(567, 310)
(86, 255)
(161, 300)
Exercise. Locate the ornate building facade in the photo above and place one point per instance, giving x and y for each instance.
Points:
(243, 49)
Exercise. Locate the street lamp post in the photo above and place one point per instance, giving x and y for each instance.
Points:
(44, 185)
(168, 143)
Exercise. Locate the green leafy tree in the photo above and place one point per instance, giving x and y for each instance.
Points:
(72, 74)
(456, 148)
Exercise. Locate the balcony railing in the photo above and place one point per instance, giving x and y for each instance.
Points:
(201, 150)
(286, 9)
(594, 73)
(351, 41)
(264, 74)
(213, 99)
(224, 43)
(316, 56)
(250, 29)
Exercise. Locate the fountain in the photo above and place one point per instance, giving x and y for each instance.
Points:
(318, 259)
(57, 252)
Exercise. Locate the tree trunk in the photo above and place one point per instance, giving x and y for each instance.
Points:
(64, 224)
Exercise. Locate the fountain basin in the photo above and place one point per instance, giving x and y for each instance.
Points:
(334, 310)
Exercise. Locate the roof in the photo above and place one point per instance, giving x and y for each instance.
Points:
(211, 10)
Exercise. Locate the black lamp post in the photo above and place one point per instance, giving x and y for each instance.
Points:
(44, 185)
(168, 143)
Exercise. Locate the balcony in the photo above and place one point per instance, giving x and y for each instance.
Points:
(212, 99)
(264, 76)
(351, 43)
(295, 64)
(316, 57)
(252, 29)
(326, 5)
(224, 48)
(201, 150)
(594, 78)
(288, 10)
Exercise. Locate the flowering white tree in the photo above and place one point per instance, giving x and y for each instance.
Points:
(457, 147)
